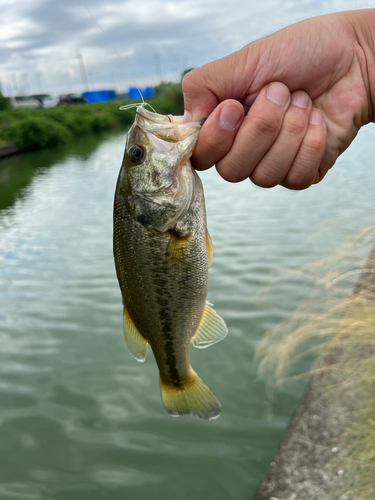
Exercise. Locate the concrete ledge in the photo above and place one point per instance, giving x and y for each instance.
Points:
(11, 149)
(313, 460)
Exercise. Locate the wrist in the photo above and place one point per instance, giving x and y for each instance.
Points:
(363, 25)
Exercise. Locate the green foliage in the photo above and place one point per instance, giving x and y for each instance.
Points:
(36, 132)
(163, 88)
(77, 123)
(4, 102)
(171, 102)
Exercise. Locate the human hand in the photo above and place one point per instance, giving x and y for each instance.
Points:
(306, 91)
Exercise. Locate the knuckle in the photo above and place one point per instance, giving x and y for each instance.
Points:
(188, 82)
(217, 148)
(313, 146)
(267, 176)
(301, 177)
(263, 180)
(233, 171)
(304, 168)
(267, 125)
(296, 127)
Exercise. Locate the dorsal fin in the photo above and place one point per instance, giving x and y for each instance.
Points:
(137, 344)
(212, 329)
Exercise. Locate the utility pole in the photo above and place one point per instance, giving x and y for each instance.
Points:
(82, 70)
(38, 78)
(158, 66)
(14, 84)
(179, 68)
(26, 86)
(113, 81)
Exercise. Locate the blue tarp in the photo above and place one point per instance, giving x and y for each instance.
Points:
(99, 96)
(147, 92)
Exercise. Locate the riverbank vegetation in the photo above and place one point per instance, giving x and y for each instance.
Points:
(40, 128)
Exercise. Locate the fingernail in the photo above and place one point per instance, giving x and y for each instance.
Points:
(300, 99)
(316, 117)
(230, 116)
(188, 117)
(278, 93)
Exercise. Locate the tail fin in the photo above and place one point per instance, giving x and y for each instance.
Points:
(193, 397)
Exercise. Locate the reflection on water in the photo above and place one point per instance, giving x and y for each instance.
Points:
(16, 172)
(80, 419)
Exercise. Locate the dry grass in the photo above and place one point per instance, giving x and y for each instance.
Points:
(336, 313)
(321, 317)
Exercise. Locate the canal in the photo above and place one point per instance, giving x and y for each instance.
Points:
(79, 417)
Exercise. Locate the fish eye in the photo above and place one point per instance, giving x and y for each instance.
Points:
(136, 154)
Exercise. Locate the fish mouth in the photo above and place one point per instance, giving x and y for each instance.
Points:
(165, 119)
(169, 128)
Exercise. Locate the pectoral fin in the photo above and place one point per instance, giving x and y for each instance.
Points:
(210, 248)
(136, 343)
(178, 249)
(212, 329)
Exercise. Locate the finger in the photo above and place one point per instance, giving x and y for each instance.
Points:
(217, 134)
(329, 159)
(199, 100)
(274, 166)
(321, 173)
(303, 171)
(205, 87)
(256, 134)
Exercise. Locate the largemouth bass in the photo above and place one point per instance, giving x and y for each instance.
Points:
(162, 253)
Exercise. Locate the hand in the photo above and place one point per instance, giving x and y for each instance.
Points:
(283, 108)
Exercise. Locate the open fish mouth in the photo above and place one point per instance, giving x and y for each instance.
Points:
(169, 128)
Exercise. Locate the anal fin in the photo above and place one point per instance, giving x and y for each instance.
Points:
(212, 329)
(136, 343)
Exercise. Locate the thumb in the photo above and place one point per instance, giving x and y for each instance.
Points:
(205, 87)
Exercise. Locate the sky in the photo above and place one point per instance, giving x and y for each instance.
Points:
(121, 43)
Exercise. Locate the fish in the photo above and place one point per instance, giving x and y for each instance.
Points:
(162, 253)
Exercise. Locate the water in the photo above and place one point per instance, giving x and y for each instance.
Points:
(79, 417)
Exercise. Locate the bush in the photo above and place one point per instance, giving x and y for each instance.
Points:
(103, 120)
(4, 102)
(36, 132)
(171, 102)
(77, 122)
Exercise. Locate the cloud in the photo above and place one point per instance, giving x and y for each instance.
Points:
(123, 41)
